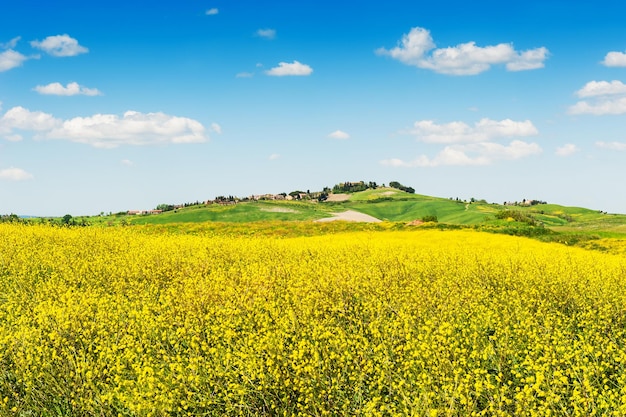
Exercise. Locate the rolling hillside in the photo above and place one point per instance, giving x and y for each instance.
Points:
(393, 205)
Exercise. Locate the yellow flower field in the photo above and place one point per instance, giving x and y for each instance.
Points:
(121, 322)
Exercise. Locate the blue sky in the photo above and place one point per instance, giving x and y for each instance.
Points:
(109, 106)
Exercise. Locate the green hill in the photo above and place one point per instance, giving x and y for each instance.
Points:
(393, 205)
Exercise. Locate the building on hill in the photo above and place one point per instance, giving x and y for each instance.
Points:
(142, 212)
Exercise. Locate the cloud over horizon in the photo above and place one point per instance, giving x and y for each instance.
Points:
(474, 154)
(485, 129)
(15, 174)
(470, 145)
(105, 130)
(417, 48)
(613, 146)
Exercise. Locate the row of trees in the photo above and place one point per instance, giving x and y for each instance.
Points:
(398, 186)
(343, 187)
(66, 220)
(353, 187)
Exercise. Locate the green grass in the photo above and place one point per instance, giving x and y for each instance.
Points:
(243, 212)
(396, 208)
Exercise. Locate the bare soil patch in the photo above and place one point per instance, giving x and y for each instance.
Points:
(351, 216)
(338, 197)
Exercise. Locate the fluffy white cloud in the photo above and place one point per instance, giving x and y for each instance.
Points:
(411, 48)
(71, 89)
(460, 132)
(285, 68)
(10, 59)
(602, 88)
(60, 46)
(24, 119)
(615, 59)
(484, 153)
(339, 134)
(567, 149)
(600, 107)
(614, 146)
(212, 12)
(106, 130)
(15, 174)
(133, 128)
(266, 33)
(604, 98)
(416, 48)
(528, 60)
(470, 145)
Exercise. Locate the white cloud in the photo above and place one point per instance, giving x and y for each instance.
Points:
(470, 145)
(60, 46)
(266, 33)
(212, 12)
(14, 138)
(24, 119)
(71, 89)
(459, 132)
(528, 60)
(10, 59)
(605, 98)
(615, 59)
(600, 107)
(127, 162)
(484, 153)
(10, 44)
(216, 128)
(614, 146)
(244, 75)
(106, 130)
(274, 157)
(463, 59)
(295, 68)
(15, 174)
(602, 88)
(411, 48)
(339, 134)
(396, 163)
(567, 149)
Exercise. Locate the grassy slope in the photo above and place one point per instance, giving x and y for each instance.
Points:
(241, 213)
(397, 206)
